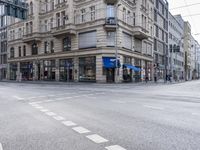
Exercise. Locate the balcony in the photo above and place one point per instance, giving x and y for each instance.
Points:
(110, 23)
(30, 37)
(68, 29)
(140, 33)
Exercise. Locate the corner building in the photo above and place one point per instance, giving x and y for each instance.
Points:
(65, 40)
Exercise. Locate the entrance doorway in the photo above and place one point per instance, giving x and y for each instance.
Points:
(110, 75)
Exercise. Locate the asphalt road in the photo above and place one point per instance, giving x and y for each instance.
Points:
(100, 116)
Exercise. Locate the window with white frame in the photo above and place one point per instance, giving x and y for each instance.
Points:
(87, 39)
(92, 13)
(83, 15)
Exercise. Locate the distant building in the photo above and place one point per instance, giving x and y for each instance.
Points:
(176, 38)
(187, 50)
(161, 54)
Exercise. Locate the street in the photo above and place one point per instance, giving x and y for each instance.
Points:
(100, 116)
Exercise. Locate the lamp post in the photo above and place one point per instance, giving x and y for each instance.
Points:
(116, 46)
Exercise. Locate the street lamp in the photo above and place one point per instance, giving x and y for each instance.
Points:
(116, 46)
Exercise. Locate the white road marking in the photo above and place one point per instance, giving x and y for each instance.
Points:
(196, 114)
(50, 113)
(81, 130)
(69, 123)
(44, 110)
(97, 138)
(18, 98)
(1, 147)
(115, 147)
(154, 107)
(59, 118)
(38, 107)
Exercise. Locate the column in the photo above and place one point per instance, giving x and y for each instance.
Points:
(57, 70)
(76, 69)
(99, 69)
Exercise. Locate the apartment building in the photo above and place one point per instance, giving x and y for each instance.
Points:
(176, 46)
(90, 40)
(161, 55)
(5, 21)
(187, 50)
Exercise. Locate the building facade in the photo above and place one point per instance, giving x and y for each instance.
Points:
(187, 50)
(161, 54)
(176, 47)
(92, 40)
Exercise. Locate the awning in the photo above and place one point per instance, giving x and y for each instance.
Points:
(132, 67)
(110, 62)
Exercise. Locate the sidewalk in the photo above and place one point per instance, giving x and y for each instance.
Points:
(159, 82)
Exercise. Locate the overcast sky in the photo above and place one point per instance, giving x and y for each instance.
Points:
(187, 13)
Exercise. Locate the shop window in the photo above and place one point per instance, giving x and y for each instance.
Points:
(87, 69)
(49, 70)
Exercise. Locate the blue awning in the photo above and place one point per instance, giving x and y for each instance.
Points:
(132, 67)
(110, 62)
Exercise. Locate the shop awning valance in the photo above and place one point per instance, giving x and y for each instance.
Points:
(136, 69)
(110, 62)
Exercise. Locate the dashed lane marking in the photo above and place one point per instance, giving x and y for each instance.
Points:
(50, 113)
(196, 114)
(115, 147)
(44, 110)
(1, 147)
(97, 138)
(59, 118)
(81, 130)
(18, 98)
(154, 107)
(69, 123)
(38, 107)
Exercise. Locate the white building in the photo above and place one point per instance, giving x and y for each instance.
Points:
(176, 35)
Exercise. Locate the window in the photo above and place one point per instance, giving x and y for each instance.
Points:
(31, 27)
(24, 50)
(52, 47)
(31, 8)
(34, 49)
(134, 19)
(58, 19)
(124, 14)
(127, 41)
(67, 44)
(83, 15)
(92, 13)
(63, 17)
(20, 32)
(12, 52)
(87, 40)
(51, 23)
(20, 53)
(46, 50)
(110, 38)
(45, 25)
(110, 11)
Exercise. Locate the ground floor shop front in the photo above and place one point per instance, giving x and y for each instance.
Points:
(99, 68)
